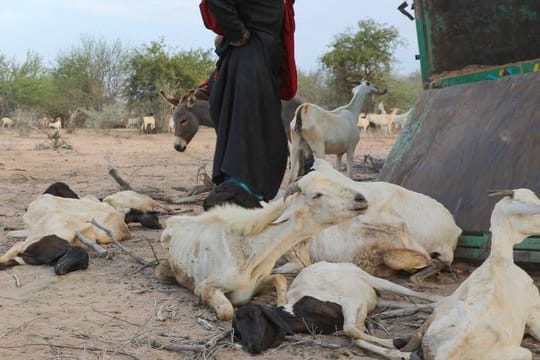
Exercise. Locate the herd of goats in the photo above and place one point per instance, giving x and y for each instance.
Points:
(339, 236)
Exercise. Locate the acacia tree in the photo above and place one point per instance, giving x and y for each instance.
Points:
(90, 75)
(364, 53)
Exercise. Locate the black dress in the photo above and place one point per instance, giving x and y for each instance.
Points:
(245, 106)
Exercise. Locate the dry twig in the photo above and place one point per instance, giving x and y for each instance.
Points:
(93, 245)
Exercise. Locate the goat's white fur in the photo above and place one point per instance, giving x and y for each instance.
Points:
(355, 290)
(226, 255)
(488, 314)
(6, 122)
(329, 131)
(415, 222)
(400, 119)
(385, 121)
(56, 125)
(148, 122)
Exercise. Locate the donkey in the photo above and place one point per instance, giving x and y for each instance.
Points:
(189, 113)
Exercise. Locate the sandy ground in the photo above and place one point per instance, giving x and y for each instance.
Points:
(111, 310)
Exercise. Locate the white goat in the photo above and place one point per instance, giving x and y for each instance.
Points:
(56, 125)
(329, 132)
(226, 255)
(171, 125)
(488, 314)
(6, 122)
(383, 120)
(399, 230)
(399, 120)
(133, 122)
(363, 122)
(357, 293)
(148, 122)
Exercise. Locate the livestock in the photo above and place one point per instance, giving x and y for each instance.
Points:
(226, 254)
(363, 122)
(133, 122)
(328, 132)
(61, 189)
(488, 314)
(171, 125)
(399, 119)
(137, 208)
(54, 251)
(148, 124)
(43, 122)
(401, 230)
(190, 112)
(6, 122)
(323, 298)
(64, 217)
(385, 121)
(57, 124)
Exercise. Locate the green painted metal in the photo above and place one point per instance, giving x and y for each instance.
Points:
(477, 247)
(492, 74)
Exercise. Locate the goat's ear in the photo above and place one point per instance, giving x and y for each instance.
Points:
(272, 315)
(522, 208)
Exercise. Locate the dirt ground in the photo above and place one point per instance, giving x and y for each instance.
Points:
(112, 310)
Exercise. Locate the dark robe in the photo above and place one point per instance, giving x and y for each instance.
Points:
(245, 106)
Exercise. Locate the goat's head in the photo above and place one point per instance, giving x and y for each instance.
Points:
(61, 189)
(148, 219)
(328, 201)
(368, 88)
(518, 210)
(258, 327)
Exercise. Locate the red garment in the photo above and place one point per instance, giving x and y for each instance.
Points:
(289, 79)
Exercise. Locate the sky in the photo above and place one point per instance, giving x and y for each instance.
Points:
(48, 27)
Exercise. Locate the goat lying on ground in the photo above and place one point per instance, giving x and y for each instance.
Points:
(401, 230)
(148, 124)
(189, 113)
(226, 255)
(328, 132)
(6, 122)
(324, 297)
(488, 314)
(60, 212)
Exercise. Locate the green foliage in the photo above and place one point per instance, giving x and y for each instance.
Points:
(364, 54)
(111, 116)
(403, 91)
(90, 75)
(153, 68)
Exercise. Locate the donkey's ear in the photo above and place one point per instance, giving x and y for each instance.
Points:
(170, 99)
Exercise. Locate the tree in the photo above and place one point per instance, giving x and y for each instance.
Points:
(91, 75)
(153, 67)
(365, 54)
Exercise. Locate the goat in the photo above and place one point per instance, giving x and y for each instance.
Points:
(401, 230)
(385, 121)
(190, 112)
(57, 124)
(323, 298)
(226, 255)
(43, 122)
(171, 125)
(61, 189)
(399, 120)
(133, 122)
(363, 122)
(328, 132)
(6, 122)
(488, 314)
(51, 250)
(137, 208)
(148, 124)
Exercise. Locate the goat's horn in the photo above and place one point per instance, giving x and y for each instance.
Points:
(500, 192)
(291, 189)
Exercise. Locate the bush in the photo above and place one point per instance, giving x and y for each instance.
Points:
(112, 116)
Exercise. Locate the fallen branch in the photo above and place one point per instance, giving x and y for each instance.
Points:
(400, 313)
(109, 233)
(191, 199)
(17, 280)
(200, 348)
(112, 171)
(306, 340)
(94, 246)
